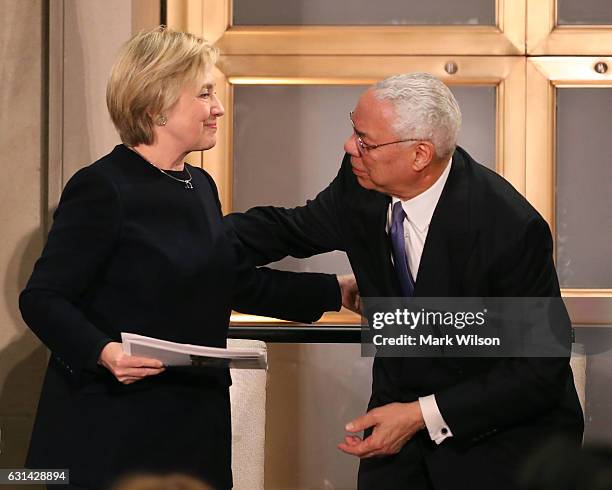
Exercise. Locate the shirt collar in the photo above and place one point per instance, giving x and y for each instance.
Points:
(420, 209)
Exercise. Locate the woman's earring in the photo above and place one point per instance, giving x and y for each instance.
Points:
(161, 121)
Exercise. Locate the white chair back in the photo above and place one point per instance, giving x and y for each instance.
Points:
(248, 401)
(578, 364)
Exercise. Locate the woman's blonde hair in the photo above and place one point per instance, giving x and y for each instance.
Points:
(147, 78)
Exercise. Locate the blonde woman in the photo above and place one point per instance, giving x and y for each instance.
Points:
(138, 245)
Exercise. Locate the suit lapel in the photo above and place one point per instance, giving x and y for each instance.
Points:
(450, 239)
(382, 250)
(371, 209)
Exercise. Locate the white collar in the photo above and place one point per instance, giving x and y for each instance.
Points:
(420, 209)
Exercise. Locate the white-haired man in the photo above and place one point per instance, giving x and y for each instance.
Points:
(417, 216)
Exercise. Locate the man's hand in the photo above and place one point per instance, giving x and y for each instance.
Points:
(350, 292)
(128, 369)
(394, 425)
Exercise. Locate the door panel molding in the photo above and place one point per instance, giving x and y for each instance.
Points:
(544, 76)
(546, 37)
(507, 37)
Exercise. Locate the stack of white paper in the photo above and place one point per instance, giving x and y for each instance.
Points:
(175, 354)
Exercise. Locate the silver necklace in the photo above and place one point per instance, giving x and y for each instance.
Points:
(186, 182)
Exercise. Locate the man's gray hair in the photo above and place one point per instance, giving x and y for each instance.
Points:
(425, 108)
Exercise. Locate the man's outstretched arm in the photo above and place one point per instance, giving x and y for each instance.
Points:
(268, 233)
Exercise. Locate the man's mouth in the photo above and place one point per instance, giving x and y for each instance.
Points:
(359, 172)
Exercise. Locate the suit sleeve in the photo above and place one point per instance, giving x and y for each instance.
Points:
(517, 389)
(268, 233)
(293, 296)
(85, 229)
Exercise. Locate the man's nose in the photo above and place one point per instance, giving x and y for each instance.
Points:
(350, 146)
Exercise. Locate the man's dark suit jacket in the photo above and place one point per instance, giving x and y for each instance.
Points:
(484, 240)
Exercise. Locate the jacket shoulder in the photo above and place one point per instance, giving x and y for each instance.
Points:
(109, 167)
(497, 200)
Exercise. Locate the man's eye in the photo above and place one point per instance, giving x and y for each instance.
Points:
(204, 95)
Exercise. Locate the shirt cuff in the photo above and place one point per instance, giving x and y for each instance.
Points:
(436, 425)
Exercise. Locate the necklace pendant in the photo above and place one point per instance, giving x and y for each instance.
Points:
(188, 185)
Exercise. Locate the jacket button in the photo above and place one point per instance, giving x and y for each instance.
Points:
(444, 431)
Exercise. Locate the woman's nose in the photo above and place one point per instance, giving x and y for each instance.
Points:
(217, 109)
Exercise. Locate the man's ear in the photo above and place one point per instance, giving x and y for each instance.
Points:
(425, 153)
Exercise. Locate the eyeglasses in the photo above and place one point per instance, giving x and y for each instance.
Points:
(364, 147)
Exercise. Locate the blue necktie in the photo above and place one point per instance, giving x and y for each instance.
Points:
(402, 269)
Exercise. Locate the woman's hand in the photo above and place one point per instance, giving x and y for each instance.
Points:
(350, 292)
(128, 369)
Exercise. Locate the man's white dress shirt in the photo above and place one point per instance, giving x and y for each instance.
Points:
(419, 211)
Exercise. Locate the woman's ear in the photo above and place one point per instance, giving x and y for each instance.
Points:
(157, 118)
(161, 120)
